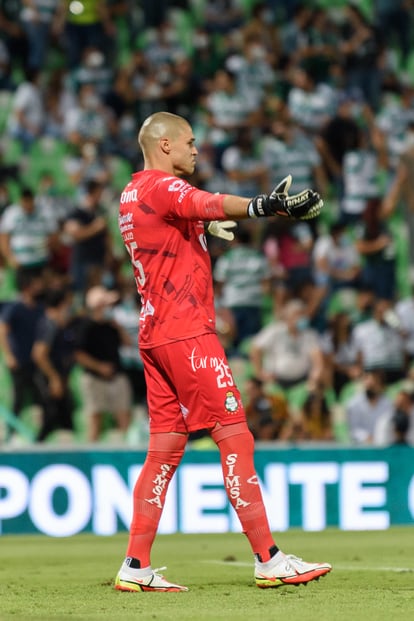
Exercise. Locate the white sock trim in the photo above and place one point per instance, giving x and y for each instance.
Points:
(135, 572)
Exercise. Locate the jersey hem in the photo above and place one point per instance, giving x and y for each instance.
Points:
(185, 337)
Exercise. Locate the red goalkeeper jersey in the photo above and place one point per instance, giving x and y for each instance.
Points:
(161, 219)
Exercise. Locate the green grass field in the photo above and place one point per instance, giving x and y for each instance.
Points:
(72, 579)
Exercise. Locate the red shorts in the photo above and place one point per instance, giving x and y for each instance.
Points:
(190, 386)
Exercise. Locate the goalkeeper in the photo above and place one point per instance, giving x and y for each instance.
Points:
(190, 385)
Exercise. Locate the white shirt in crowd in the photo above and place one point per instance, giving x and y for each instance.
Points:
(285, 355)
(366, 419)
(380, 346)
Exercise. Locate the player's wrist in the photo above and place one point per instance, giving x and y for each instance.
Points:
(259, 207)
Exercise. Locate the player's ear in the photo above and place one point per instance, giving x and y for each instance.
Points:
(165, 145)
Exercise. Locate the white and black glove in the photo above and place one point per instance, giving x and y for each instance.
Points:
(220, 228)
(303, 206)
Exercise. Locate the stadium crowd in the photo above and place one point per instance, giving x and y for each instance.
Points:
(317, 318)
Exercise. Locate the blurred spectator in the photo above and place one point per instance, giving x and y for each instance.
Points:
(163, 47)
(311, 104)
(395, 118)
(160, 76)
(144, 88)
(363, 305)
(18, 325)
(27, 235)
(380, 344)
(131, 16)
(154, 12)
(288, 247)
(59, 98)
(94, 70)
(241, 275)
(365, 408)
(360, 174)
(336, 261)
(376, 245)
(11, 32)
(91, 249)
(183, 88)
(88, 119)
(226, 327)
(228, 110)
(294, 32)
(126, 315)
(207, 56)
(401, 423)
(285, 149)
(82, 25)
(222, 16)
(287, 352)
(253, 70)
(393, 19)
(314, 298)
(340, 134)
(362, 49)
(6, 83)
(404, 311)
(261, 25)
(53, 355)
(8, 173)
(244, 174)
(315, 422)
(209, 177)
(267, 414)
(55, 205)
(321, 49)
(27, 116)
(395, 427)
(105, 388)
(284, 10)
(120, 94)
(5, 198)
(87, 164)
(340, 352)
(399, 195)
(53, 202)
(38, 19)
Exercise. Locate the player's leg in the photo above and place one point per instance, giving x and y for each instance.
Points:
(164, 454)
(273, 568)
(236, 445)
(210, 399)
(168, 438)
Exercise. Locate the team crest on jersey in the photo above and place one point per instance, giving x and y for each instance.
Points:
(231, 404)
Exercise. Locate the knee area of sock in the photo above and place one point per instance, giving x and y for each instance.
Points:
(172, 458)
(237, 435)
(166, 448)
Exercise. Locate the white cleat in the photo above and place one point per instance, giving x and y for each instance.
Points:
(153, 582)
(285, 569)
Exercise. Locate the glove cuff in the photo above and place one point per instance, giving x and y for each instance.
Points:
(259, 207)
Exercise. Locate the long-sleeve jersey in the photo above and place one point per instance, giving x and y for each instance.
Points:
(161, 219)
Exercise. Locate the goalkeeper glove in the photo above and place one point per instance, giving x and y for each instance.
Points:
(219, 228)
(303, 206)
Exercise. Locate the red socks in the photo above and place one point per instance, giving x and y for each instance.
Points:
(164, 454)
(236, 445)
(165, 451)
